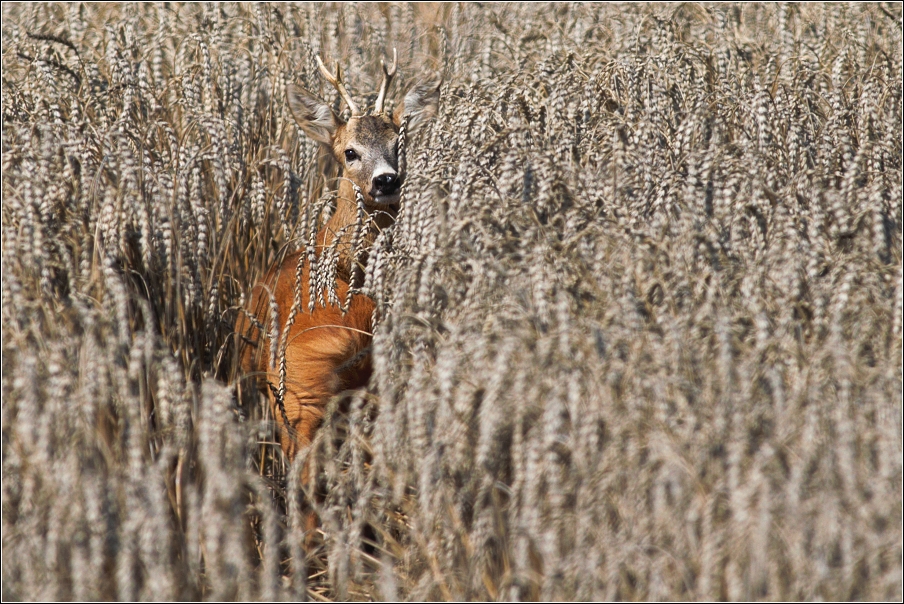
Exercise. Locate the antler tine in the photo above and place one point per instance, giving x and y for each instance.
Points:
(336, 81)
(387, 78)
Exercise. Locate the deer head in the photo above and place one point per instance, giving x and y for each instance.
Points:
(366, 146)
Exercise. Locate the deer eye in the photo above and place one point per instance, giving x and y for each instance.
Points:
(350, 155)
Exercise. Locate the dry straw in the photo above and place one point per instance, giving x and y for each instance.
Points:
(639, 321)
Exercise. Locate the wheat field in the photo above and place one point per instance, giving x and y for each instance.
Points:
(639, 322)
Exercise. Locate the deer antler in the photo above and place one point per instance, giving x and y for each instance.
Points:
(336, 81)
(387, 78)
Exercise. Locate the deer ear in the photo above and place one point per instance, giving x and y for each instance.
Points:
(420, 105)
(314, 116)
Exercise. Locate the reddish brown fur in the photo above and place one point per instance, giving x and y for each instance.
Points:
(327, 350)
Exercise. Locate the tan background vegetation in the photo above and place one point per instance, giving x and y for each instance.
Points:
(640, 325)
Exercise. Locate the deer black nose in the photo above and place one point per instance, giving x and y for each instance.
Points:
(386, 184)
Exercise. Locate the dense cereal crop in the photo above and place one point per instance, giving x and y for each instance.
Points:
(639, 322)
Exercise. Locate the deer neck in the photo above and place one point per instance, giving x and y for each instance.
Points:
(342, 225)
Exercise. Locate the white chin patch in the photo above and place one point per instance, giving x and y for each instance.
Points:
(387, 199)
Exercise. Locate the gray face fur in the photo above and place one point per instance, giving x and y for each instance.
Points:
(366, 146)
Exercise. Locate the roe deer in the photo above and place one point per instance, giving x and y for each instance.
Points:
(326, 351)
